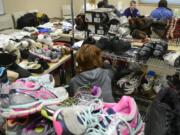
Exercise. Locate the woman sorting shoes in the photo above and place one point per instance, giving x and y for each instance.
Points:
(90, 72)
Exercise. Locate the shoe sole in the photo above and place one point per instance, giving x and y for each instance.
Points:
(31, 108)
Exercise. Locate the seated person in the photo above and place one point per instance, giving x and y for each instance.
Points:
(90, 5)
(89, 62)
(132, 11)
(162, 12)
(105, 4)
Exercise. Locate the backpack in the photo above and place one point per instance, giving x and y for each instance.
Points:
(28, 20)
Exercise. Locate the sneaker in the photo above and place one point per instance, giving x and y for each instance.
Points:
(148, 81)
(129, 84)
(158, 84)
(127, 109)
(82, 116)
(39, 126)
(48, 111)
(28, 98)
(147, 85)
(15, 126)
(86, 94)
(173, 59)
(163, 116)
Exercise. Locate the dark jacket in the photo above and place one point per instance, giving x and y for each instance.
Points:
(133, 13)
(99, 76)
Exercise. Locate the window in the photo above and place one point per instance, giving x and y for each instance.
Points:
(1, 7)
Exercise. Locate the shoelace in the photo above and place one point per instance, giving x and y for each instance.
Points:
(88, 118)
(111, 128)
(92, 121)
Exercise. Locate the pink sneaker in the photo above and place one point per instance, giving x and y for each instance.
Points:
(127, 109)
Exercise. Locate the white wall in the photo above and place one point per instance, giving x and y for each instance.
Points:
(54, 7)
(51, 7)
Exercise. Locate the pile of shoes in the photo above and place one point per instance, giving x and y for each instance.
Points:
(8, 61)
(141, 84)
(33, 106)
(153, 49)
(47, 53)
(119, 26)
(28, 95)
(115, 45)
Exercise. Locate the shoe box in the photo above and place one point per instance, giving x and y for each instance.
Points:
(97, 29)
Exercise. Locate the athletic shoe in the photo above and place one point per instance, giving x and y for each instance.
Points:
(126, 109)
(173, 58)
(121, 118)
(15, 126)
(39, 126)
(147, 85)
(85, 94)
(158, 84)
(83, 117)
(148, 81)
(130, 83)
(28, 98)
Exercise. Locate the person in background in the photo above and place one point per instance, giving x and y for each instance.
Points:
(90, 5)
(132, 11)
(90, 72)
(105, 4)
(162, 12)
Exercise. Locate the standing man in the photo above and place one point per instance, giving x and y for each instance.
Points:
(105, 4)
(132, 11)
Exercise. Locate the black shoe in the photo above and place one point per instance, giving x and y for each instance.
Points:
(104, 44)
(120, 46)
(23, 73)
(7, 59)
(163, 115)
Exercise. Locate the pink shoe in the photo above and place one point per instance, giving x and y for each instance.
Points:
(127, 109)
(28, 97)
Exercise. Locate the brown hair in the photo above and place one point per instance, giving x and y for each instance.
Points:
(132, 2)
(88, 57)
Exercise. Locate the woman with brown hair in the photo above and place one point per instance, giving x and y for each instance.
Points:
(90, 72)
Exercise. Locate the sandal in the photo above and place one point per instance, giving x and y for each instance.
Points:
(33, 67)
